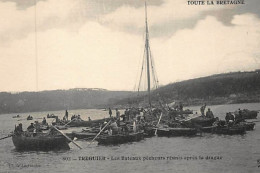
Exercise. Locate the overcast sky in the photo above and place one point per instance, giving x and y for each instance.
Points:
(99, 43)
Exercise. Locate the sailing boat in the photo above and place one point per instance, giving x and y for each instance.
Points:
(157, 113)
(148, 65)
(135, 136)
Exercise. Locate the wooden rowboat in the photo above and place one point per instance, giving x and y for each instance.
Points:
(247, 114)
(248, 125)
(230, 130)
(168, 132)
(39, 141)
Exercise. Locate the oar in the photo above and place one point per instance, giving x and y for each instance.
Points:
(70, 122)
(254, 121)
(155, 133)
(6, 137)
(67, 137)
(99, 132)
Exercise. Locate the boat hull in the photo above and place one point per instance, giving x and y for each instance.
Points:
(149, 132)
(247, 114)
(247, 125)
(209, 129)
(168, 132)
(250, 115)
(230, 131)
(84, 135)
(42, 143)
(120, 139)
(91, 123)
(203, 121)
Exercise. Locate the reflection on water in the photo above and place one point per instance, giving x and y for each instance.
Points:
(239, 153)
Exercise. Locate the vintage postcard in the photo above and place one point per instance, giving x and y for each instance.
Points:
(140, 86)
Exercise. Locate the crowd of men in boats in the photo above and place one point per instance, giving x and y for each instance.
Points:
(33, 127)
(134, 119)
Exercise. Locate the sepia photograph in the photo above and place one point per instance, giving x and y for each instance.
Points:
(138, 86)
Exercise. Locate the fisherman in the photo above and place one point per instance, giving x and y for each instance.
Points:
(127, 115)
(231, 116)
(227, 117)
(114, 127)
(209, 114)
(216, 123)
(20, 128)
(125, 129)
(202, 109)
(37, 127)
(117, 114)
(181, 106)
(110, 131)
(57, 120)
(123, 117)
(66, 117)
(110, 112)
(230, 123)
(239, 111)
(134, 127)
(44, 121)
(141, 115)
(239, 117)
(30, 128)
(79, 118)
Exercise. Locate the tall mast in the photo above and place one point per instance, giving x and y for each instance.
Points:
(147, 56)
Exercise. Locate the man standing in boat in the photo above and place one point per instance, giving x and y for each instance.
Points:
(239, 117)
(209, 114)
(110, 112)
(44, 121)
(117, 114)
(202, 109)
(66, 115)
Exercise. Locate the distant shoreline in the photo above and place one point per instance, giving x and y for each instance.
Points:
(208, 104)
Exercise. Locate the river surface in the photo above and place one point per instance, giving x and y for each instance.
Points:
(238, 153)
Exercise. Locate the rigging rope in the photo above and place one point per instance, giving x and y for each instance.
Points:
(36, 46)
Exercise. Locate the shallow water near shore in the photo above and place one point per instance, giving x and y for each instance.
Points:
(205, 153)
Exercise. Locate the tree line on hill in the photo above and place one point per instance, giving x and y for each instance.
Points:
(57, 100)
(236, 87)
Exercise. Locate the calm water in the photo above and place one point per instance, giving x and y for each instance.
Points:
(238, 153)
